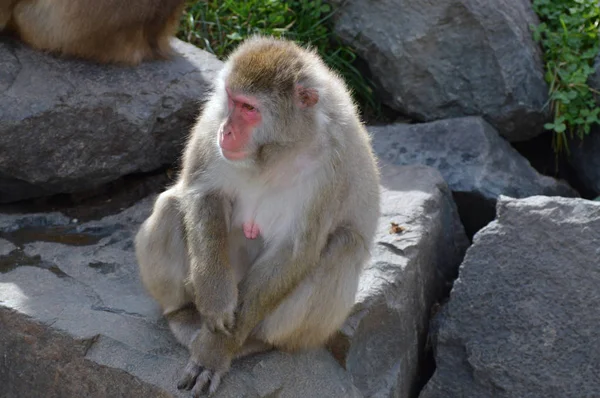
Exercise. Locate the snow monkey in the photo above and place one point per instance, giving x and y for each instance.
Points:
(105, 31)
(260, 242)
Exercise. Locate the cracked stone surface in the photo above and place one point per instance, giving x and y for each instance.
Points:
(522, 319)
(76, 321)
(436, 59)
(475, 161)
(411, 270)
(90, 123)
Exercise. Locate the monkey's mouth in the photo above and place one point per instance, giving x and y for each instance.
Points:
(233, 155)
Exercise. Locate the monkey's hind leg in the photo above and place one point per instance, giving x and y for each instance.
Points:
(185, 323)
(316, 309)
(253, 346)
(164, 265)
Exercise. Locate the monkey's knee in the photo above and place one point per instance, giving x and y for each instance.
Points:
(162, 255)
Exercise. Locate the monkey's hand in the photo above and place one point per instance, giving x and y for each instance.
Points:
(210, 360)
(216, 300)
(220, 321)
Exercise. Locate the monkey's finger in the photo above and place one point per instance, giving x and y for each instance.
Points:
(215, 381)
(201, 381)
(229, 322)
(221, 327)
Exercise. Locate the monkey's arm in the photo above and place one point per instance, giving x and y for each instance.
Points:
(211, 274)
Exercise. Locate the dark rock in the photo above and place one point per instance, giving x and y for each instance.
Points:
(441, 59)
(70, 125)
(522, 320)
(585, 161)
(475, 161)
(411, 270)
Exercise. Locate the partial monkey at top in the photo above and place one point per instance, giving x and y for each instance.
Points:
(108, 31)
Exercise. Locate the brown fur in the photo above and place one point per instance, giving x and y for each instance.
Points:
(105, 31)
(293, 286)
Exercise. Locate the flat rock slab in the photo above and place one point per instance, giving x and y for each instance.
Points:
(415, 260)
(522, 320)
(76, 321)
(70, 125)
(475, 161)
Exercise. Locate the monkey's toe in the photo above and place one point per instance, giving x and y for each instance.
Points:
(201, 382)
(214, 383)
(190, 374)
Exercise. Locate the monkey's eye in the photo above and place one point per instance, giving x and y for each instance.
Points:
(248, 107)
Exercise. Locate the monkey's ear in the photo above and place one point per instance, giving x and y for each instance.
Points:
(306, 97)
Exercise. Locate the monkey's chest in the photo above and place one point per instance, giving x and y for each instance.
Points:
(274, 212)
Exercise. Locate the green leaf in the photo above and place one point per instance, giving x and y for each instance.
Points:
(560, 128)
(569, 36)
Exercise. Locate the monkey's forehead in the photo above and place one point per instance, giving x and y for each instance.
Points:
(265, 67)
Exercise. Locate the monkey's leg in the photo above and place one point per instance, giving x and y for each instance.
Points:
(318, 307)
(253, 346)
(305, 313)
(6, 10)
(164, 264)
(185, 324)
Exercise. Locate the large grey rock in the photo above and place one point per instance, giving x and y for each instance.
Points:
(585, 160)
(76, 322)
(522, 320)
(440, 59)
(477, 164)
(411, 271)
(69, 125)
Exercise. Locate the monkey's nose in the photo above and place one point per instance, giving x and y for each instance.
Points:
(230, 133)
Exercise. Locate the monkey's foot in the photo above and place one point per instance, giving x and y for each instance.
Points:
(195, 379)
(251, 230)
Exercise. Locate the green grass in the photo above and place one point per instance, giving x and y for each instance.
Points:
(569, 36)
(218, 26)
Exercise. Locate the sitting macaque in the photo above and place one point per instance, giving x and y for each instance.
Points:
(260, 242)
(106, 31)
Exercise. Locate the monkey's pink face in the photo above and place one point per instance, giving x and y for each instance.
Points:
(236, 134)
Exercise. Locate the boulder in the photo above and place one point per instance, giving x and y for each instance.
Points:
(442, 59)
(475, 161)
(522, 319)
(76, 321)
(70, 125)
(413, 266)
(585, 160)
